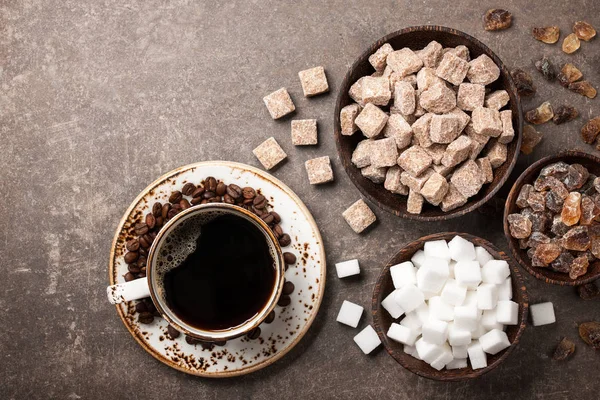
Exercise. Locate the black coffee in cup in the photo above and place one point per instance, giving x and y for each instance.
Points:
(226, 280)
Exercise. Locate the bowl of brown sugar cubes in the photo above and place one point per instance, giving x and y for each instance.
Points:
(552, 218)
(428, 123)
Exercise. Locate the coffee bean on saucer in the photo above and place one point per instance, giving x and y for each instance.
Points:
(134, 268)
(141, 228)
(145, 318)
(141, 307)
(268, 218)
(276, 217)
(289, 258)
(221, 343)
(288, 288)
(176, 207)
(221, 189)
(254, 333)
(248, 202)
(150, 221)
(198, 192)
(192, 340)
(285, 240)
(188, 189)
(234, 191)
(277, 231)
(144, 242)
(172, 213)
(156, 209)
(174, 333)
(228, 199)
(196, 200)
(270, 318)
(132, 245)
(248, 193)
(165, 211)
(209, 194)
(159, 221)
(210, 184)
(143, 252)
(284, 301)
(184, 204)
(141, 262)
(131, 256)
(260, 201)
(129, 277)
(175, 197)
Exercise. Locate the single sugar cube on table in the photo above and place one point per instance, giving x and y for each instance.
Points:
(505, 290)
(418, 258)
(438, 249)
(443, 359)
(460, 351)
(304, 132)
(487, 296)
(432, 276)
(467, 273)
(477, 355)
(428, 352)
(390, 305)
(269, 153)
(466, 317)
(359, 216)
(403, 274)
(542, 314)
(409, 297)
(279, 103)
(319, 170)
(453, 293)
(435, 331)
(439, 309)
(495, 272)
(402, 334)
(482, 255)
(349, 314)
(457, 363)
(313, 81)
(347, 268)
(507, 312)
(494, 341)
(367, 339)
(461, 249)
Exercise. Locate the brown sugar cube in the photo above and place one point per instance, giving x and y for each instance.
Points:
(398, 129)
(279, 103)
(438, 98)
(384, 153)
(444, 128)
(419, 111)
(452, 69)
(460, 51)
(378, 59)
(508, 132)
(361, 156)
(269, 153)
(393, 182)
(319, 170)
(443, 170)
(434, 189)
(415, 183)
(430, 54)
(497, 154)
(374, 174)
(426, 77)
(478, 142)
(404, 98)
(486, 122)
(376, 90)
(483, 70)
(395, 78)
(421, 128)
(359, 216)
(347, 117)
(496, 100)
(304, 132)
(468, 179)
(463, 118)
(371, 120)
(523, 196)
(355, 91)
(486, 167)
(453, 199)
(404, 61)
(313, 81)
(457, 151)
(470, 96)
(414, 203)
(415, 160)
(436, 151)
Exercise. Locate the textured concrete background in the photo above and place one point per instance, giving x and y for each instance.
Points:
(98, 98)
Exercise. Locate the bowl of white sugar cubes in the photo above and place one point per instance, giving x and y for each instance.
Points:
(450, 306)
(428, 123)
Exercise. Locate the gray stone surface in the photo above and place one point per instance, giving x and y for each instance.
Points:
(98, 98)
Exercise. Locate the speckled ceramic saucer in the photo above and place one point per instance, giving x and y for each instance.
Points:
(239, 356)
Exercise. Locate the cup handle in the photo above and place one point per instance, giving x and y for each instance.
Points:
(132, 290)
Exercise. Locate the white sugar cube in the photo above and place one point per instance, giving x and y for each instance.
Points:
(438, 249)
(390, 305)
(465, 317)
(409, 297)
(505, 290)
(403, 274)
(435, 331)
(495, 271)
(461, 249)
(478, 332)
(423, 313)
(412, 321)
(489, 321)
(457, 363)
(412, 350)
(467, 273)
(438, 309)
(457, 336)
(432, 275)
(402, 334)
(428, 352)
(477, 355)
(350, 314)
(367, 339)
(507, 312)
(487, 296)
(347, 268)
(460, 351)
(470, 298)
(453, 293)
(451, 266)
(482, 255)
(418, 258)
(429, 295)
(542, 314)
(443, 359)
(494, 341)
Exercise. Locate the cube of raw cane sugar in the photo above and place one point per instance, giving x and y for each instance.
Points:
(444, 128)
(497, 154)
(378, 59)
(457, 151)
(483, 70)
(319, 170)
(495, 271)
(426, 77)
(384, 153)
(478, 142)
(453, 293)
(359, 216)
(432, 276)
(404, 61)
(542, 314)
(403, 274)
(349, 314)
(428, 352)
(489, 321)
(485, 166)
(421, 128)
(412, 321)
(461, 249)
(482, 255)
(367, 339)
(494, 341)
(497, 99)
(361, 156)
(505, 290)
(393, 181)
(463, 118)
(470, 96)
(466, 317)
(404, 98)
(441, 310)
(415, 183)
(437, 249)
(477, 356)
(468, 179)
(467, 273)
(402, 334)
(371, 120)
(507, 312)
(414, 202)
(376, 90)
(460, 351)
(437, 98)
(508, 132)
(458, 337)
(304, 132)
(453, 199)
(398, 129)
(347, 268)
(415, 160)
(443, 359)
(347, 117)
(457, 363)
(279, 103)
(409, 297)
(436, 151)
(313, 81)
(435, 189)
(355, 91)
(374, 174)
(389, 303)
(487, 296)
(430, 54)
(486, 121)
(452, 69)
(269, 153)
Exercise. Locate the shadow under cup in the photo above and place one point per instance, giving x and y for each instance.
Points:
(175, 248)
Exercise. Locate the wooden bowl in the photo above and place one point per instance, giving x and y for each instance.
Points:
(592, 163)
(382, 319)
(417, 37)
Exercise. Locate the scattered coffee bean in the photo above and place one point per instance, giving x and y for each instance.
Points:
(159, 221)
(131, 256)
(221, 189)
(234, 191)
(184, 204)
(144, 242)
(132, 245)
(150, 221)
(141, 307)
(284, 301)
(196, 200)
(198, 192)
(254, 333)
(156, 209)
(188, 189)
(289, 258)
(268, 218)
(141, 262)
(165, 211)
(134, 268)
(270, 318)
(175, 197)
(172, 212)
(173, 333)
(228, 199)
(210, 184)
(145, 318)
(277, 231)
(288, 288)
(143, 252)
(276, 217)
(141, 228)
(193, 340)
(260, 202)
(209, 195)
(129, 277)
(285, 240)
(248, 193)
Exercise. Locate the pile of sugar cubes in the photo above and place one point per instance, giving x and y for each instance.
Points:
(456, 300)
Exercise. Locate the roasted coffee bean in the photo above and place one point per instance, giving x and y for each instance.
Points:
(268, 218)
(210, 184)
(258, 211)
(175, 197)
(150, 221)
(188, 189)
(173, 333)
(141, 228)
(276, 217)
(285, 240)
(284, 301)
(131, 257)
(216, 199)
(143, 252)
(270, 318)
(289, 258)
(254, 333)
(260, 201)
(288, 288)
(177, 207)
(209, 195)
(277, 231)
(248, 193)
(134, 268)
(184, 204)
(248, 202)
(143, 269)
(165, 210)
(196, 200)
(172, 212)
(141, 307)
(150, 305)
(204, 201)
(228, 199)
(198, 192)
(141, 275)
(234, 191)
(145, 318)
(129, 277)
(153, 235)
(144, 242)
(141, 262)
(220, 343)
(193, 340)
(159, 221)
(221, 189)
(156, 209)
(132, 245)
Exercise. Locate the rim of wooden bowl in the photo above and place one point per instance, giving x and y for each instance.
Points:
(589, 161)
(382, 320)
(396, 204)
